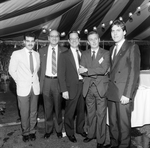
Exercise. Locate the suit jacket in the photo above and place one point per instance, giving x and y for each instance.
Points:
(19, 69)
(96, 69)
(67, 74)
(124, 72)
(43, 59)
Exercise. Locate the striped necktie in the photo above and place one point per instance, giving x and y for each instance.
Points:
(31, 62)
(54, 70)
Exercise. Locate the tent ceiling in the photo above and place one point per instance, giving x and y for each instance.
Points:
(20, 16)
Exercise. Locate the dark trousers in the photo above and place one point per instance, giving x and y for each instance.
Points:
(120, 124)
(52, 105)
(96, 115)
(28, 111)
(76, 105)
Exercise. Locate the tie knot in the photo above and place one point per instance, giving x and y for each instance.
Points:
(53, 49)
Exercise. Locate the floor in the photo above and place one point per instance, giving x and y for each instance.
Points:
(10, 130)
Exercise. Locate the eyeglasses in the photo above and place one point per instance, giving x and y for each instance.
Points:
(74, 39)
(54, 36)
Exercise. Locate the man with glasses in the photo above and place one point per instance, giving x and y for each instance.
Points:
(71, 87)
(49, 85)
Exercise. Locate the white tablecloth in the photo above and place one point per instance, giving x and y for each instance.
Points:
(141, 112)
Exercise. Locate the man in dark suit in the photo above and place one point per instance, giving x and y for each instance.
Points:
(49, 57)
(124, 74)
(94, 65)
(71, 87)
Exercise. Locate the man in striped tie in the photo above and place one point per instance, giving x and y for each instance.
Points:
(49, 85)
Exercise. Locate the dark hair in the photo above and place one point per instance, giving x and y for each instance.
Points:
(93, 32)
(29, 34)
(73, 32)
(119, 23)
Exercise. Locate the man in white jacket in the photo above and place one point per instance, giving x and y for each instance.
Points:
(23, 67)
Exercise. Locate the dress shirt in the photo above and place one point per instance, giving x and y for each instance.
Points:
(118, 47)
(74, 52)
(96, 51)
(49, 61)
(28, 54)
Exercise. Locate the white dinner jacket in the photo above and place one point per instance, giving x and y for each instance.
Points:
(19, 69)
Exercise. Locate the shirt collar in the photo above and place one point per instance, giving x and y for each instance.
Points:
(96, 50)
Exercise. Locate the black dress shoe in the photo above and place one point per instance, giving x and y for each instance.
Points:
(59, 135)
(32, 137)
(72, 138)
(100, 145)
(87, 139)
(25, 138)
(47, 135)
(84, 134)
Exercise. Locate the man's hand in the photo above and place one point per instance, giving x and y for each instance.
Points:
(82, 69)
(124, 100)
(65, 95)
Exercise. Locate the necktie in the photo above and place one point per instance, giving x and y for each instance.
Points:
(54, 70)
(78, 55)
(31, 62)
(93, 55)
(115, 52)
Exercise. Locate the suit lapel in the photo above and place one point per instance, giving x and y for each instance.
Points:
(71, 58)
(121, 52)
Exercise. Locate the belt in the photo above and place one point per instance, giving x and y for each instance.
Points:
(50, 77)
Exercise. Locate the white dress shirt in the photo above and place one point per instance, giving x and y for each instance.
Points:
(74, 52)
(28, 55)
(49, 61)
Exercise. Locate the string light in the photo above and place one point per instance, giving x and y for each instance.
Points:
(149, 6)
(130, 17)
(120, 18)
(94, 28)
(43, 30)
(86, 31)
(62, 34)
(78, 31)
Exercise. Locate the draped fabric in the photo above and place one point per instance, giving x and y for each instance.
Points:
(20, 16)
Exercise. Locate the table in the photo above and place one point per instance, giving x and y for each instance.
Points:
(141, 111)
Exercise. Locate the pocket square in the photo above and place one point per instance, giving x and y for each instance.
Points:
(101, 60)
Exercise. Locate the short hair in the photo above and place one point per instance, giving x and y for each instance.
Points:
(29, 34)
(93, 32)
(73, 32)
(119, 23)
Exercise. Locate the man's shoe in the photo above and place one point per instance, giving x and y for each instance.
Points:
(100, 145)
(47, 135)
(25, 138)
(32, 137)
(103, 146)
(87, 139)
(72, 138)
(84, 134)
(59, 135)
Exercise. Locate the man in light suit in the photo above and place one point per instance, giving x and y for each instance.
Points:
(94, 65)
(49, 85)
(71, 87)
(124, 74)
(23, 67)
